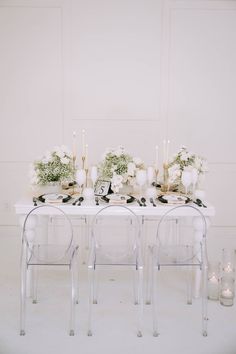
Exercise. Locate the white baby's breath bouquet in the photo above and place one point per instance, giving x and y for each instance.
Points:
(186, 160)
(119, 167)
(54, 166)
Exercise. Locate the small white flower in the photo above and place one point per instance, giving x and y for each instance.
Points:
(174, 172)
(125, 177)
(204, 166)
(65, 149)
(137, 161)
(184, 156)
(56, 149)
(198, 163)
(188, 168)
(116, 182)
(173, 168)
(65, 160)
(47, 157)
(60, 154)
(173, 157)
(131, 169)
(113, 168)
(119, 151)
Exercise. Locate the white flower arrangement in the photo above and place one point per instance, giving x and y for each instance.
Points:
(54, 166)
(184, 160)
(119, 167)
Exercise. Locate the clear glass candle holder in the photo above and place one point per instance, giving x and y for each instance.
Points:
(228, 262)
(227, 290)
(213, 281)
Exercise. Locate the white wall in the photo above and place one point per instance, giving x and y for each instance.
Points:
(130, 72)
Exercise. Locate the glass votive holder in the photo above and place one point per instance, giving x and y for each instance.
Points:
(227, 291)
(228, 262)
(213, 281)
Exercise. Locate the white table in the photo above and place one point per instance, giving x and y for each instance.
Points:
(24, 206)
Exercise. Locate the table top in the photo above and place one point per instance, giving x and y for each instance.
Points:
(24, 206)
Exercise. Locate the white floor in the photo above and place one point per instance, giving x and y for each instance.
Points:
(114, 316)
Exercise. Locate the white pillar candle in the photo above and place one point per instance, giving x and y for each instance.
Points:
(227, 293)
(83, 142)
(167, 151)
(213, 287)
(156, 158)
(86, 156)
(213, 279)
(228, 268)
(164, 151)
(74, 145)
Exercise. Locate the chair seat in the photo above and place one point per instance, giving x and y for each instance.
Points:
(107, 256)
(177, 255)
(51, 255)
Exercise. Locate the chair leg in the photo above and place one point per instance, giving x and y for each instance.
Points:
(149, 278)
(154, 300)
(95, 287)
(135, 281)
(84, 242)
(189, 285)
(74, 275)
(76, 278)
(204, 300)
(91, 272)
(23, 299)
(140, 302)
(34, 284)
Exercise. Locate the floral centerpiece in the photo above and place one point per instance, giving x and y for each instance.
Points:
(120, 168)
(185, 160)
(53, 166)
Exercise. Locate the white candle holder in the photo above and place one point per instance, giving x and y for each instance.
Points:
(228, 261)
(165, 185)
(227, 285)
(213, 281)
(227, 291)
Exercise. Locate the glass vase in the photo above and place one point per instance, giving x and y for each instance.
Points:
(227, 290)
(213, 281)
(227, 285)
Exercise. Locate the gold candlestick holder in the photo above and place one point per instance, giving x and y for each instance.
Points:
(165, 185)
(86, 180)
(74, 188)
(156, 170)
(83, 162)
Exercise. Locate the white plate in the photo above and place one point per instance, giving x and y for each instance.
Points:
(54, 198)
(175, 199)
(118, 197)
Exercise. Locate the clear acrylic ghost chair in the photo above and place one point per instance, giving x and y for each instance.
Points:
(47, 240)
(115, 241)
(183, 250)
(148, 237)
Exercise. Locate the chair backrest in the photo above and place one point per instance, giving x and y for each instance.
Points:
(47, 234)
(176, 236)
(116, 232)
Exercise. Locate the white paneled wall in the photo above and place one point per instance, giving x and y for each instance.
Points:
(130, 72)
